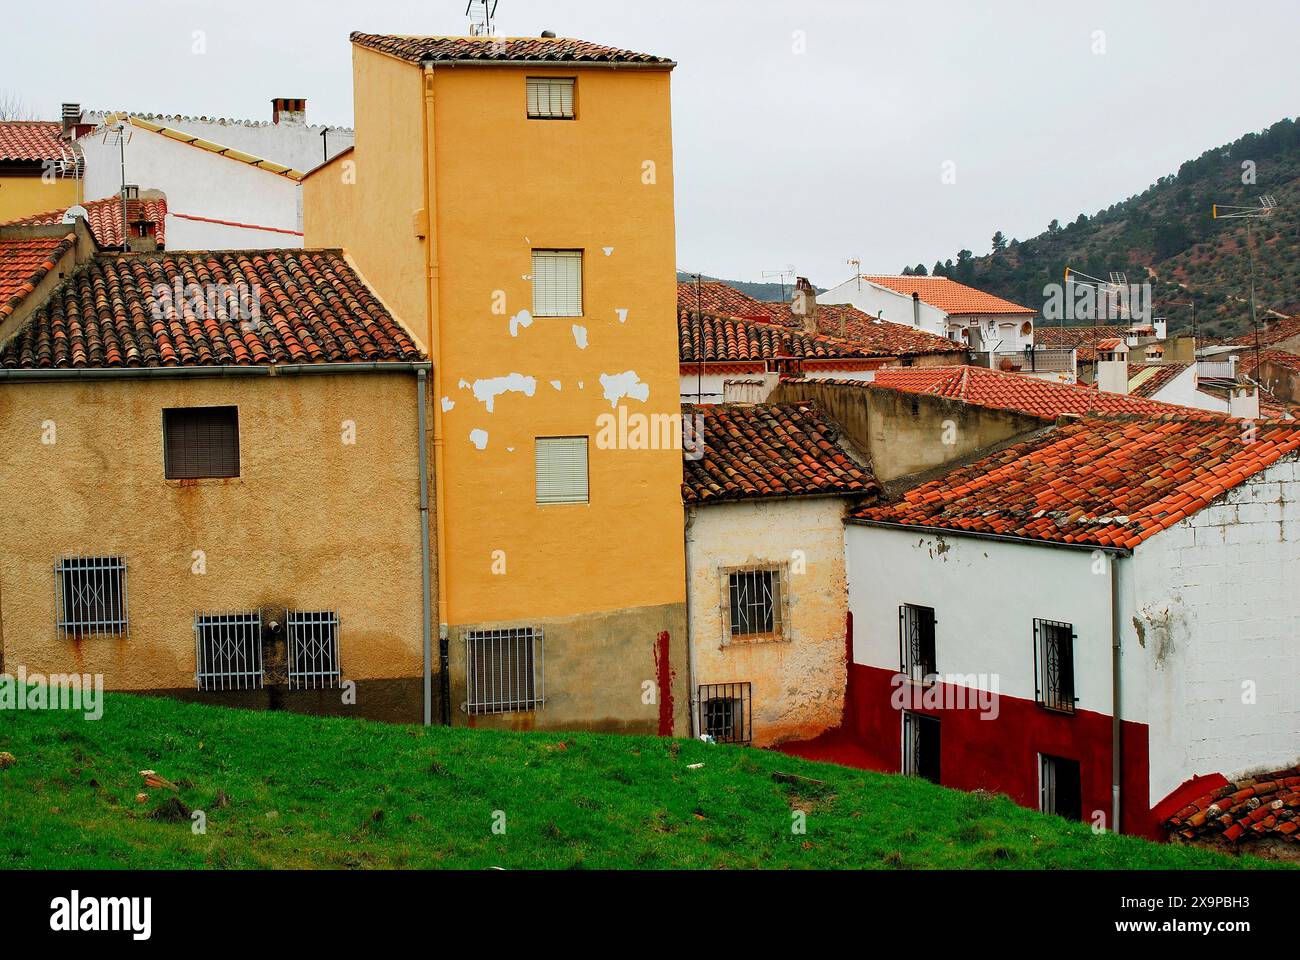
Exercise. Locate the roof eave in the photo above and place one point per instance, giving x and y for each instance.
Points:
(980, 535)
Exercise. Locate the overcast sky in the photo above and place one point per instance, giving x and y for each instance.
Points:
(805, 132)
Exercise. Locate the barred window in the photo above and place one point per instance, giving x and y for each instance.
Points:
(90, 596)
(557, 283)
(1054, 664)
(504, 671)
(755, 604)
(561, 464)
(726, 712)
(551, 98)
(313, 649)
(916, 641)
(200, 442)
(228, 651)
(921, 746)
(1059, 787)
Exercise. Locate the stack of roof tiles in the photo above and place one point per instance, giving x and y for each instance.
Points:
(104, 217)
(950, 296)
(1013, 391)
(501, 49)
(33, 141)
(120, 310)
(24, 262)
(1098, 482)
(753, 452)
(1264, 806)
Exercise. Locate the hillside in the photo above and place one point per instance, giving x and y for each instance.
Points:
(281, 790)
(770, 292)
(1167, 233)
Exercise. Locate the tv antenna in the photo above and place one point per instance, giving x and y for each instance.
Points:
(119, 135)
(1227, 211)
(856, 264)
(1111, 288)
(482, 17)
(781, 276)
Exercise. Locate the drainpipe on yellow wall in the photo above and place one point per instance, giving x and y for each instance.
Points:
(434, 342)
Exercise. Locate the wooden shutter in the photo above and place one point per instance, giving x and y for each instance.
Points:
(562, 470)
(200, 442)
(557, 283)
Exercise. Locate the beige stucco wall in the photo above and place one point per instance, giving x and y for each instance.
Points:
(311, 521)
(798, 681)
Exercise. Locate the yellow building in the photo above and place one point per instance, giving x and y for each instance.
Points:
(38, 169)
(516, 195)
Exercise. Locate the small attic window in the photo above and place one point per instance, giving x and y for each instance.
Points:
(551, 98)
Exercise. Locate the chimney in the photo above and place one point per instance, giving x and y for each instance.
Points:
(804, 305)
(1112, 365)
(916, 310)
(289, 110)
(1243, 402)
(548, 34)
(71, 119)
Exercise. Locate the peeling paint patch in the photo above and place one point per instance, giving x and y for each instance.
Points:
(580, 336)
(488, 390)
(447, 404)
(520, 321)
(479, 438)
(464, 384)
(556, 384)
(626, 384)
(622, 314)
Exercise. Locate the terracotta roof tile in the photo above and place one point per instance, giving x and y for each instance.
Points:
(1083, 339)
(105, 218)
(716, 339)
(24, 263)
(122, 310)
(1096, 482)
(1146, 380)
(769, 450)
(501, 49)
(1267, 804)
(33, 141)
(1270, 332)
(949, 295)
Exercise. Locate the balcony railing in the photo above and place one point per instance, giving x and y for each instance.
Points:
(1033, 360)
(1216, 370)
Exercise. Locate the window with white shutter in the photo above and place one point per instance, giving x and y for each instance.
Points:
(561, 469)
(550, 98)
(557, 283)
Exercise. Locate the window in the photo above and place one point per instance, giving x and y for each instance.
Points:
(557, 283)
(921, 746)
(504, 670)
(313, 649)
(754, 604)
(1054, 665)
(551, 98)
(1059, 789)
(916, 641)
(200, 442)
(561, 470)
(726, 712)
(228, 650)
(91, 596)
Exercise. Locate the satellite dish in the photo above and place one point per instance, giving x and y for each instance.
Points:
(75, 212)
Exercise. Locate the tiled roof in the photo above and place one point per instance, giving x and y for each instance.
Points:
(312, 308)
(1095, 482)
(949, 295)
(501, 49)
(32, 141)
(722, 299)
(24, 263)
(1274, 331)
(732, 339)
(765, 450)
(1265, 805)
(1246, 362)
(1016, 391)
(105, 218)
(1146, 380)
(230, 153)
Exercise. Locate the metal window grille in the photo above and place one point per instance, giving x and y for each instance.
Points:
(200, 442)
(727, 712)
(228, 651)
(1054, 665)
(313, 649)
(562, 475)
(921, 746)
(551, 98)
(504, 670)
(754, 603)
(916, 641)
(1059, 787)
(557, 283)
(90, 596)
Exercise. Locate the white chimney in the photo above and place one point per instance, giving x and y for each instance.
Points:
(1161, 326)
(1112, 365)
(289, 110)
(1243, 402)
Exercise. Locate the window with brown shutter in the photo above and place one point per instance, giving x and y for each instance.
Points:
(200, 442)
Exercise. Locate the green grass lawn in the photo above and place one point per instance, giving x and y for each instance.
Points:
(280, 790)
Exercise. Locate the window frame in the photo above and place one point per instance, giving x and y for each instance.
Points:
(568, 253)
(533, 688)
(1063, 701)
(109, 616)
(328, 660)
(248, 627)
(740, 720)
(573, 98)
(913, 760)
(906, 666)
(170, 469)
(779, 584)
(1049, 770)
(538, 446)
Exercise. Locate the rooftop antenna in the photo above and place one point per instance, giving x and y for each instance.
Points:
(482, 17)
(1107, 288)
(1224, 211)
(119, 135)
(856, 264)
(781, 276)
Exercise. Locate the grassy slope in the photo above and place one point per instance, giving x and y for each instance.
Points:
(290, 791)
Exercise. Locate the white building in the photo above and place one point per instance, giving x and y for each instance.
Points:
(1146, 575)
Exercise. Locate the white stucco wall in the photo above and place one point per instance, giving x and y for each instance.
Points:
(887, 304)
(798, 682)
(201, 184)
(713, 383)
(1183, 390)
(1218, 599)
